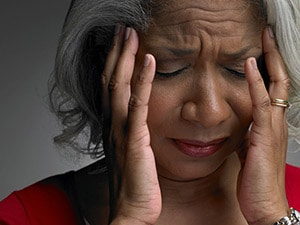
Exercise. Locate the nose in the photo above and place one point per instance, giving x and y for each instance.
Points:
(207, 104)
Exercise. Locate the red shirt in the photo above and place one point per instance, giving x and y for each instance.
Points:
(45, 204)
(38, 204)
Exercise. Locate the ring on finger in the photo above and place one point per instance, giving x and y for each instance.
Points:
(280, 102)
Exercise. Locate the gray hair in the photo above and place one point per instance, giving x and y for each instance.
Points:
(284, 16)
(75, 87)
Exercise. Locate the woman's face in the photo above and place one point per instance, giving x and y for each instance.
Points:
(200, 108)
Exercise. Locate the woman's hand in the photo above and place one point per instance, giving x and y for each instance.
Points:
(125, 105)
(261, 185)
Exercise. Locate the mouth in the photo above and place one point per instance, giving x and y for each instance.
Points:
(199, 149)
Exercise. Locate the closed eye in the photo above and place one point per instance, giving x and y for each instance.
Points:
(235, 73)
(171, 74)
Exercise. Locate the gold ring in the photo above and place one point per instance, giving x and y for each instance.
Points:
(280, 103)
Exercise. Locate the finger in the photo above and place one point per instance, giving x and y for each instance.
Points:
(279, 80)
(120, 82)
(278, 89)
(140, 183)
(111, 62)
(138, 105)
(261, 105)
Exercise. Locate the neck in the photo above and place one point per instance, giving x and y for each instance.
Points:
(204, 196)
(206, 200)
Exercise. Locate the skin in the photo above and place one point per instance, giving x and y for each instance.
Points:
(244, 180)
(217, 103)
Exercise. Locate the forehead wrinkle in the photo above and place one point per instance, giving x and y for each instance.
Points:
(187, 26)
(185, 44)
(189, 38)
(196, 12)
(191, 22)
(188, 33)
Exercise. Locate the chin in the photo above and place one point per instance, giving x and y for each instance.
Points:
(183, 171)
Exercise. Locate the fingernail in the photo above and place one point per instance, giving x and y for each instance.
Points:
(253, 63)
(270, 31)
(117, 29)
(146, 60)
(127, 34)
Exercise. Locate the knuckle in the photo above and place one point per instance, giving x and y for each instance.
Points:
(113, 46)
(287, 82)
(140, 79)
(259, 82)
(113, 85)
(264, 104)
(135, 103)
(104, 79)
(284, 82)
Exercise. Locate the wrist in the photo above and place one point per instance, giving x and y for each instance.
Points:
(268, 215)
(292, 218)
(289, 217)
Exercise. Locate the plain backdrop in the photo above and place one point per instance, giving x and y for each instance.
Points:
(29, 32)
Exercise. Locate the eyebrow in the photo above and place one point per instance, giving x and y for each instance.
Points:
(240, 53)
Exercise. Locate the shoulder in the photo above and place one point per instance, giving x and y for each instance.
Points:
(37, 204)
(12, 211)
(62, 199)
(293, 185)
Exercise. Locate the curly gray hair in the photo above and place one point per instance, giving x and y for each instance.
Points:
(284, 16)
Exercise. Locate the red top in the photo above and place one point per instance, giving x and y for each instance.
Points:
(48, 205)
(292, 185)
(38, 204)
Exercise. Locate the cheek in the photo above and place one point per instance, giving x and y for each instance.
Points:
(241, 104)
(164, 106)
(161, 103)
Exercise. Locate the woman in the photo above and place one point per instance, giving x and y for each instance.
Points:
(188, 100)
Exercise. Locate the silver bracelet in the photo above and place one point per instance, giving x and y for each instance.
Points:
(292, 219)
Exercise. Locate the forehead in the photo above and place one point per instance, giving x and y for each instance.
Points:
(212, 7)
(182, 21)
(192, 14)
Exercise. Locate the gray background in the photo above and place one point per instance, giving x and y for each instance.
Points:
(28, 39)
(29, 32)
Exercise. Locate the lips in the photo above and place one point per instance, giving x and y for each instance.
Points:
(199, 149)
